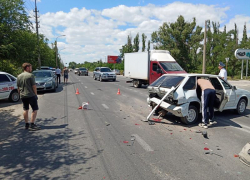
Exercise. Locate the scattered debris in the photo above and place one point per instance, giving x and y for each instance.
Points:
(157, 119)
(204, 133)
(125, 142)
(151, 123)
(244, 155)
(137, 124)
(206, 149)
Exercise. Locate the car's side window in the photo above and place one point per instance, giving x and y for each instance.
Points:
(216, 83)
(11, 77)
(4, 78)
(226, 86)
(190, 84)
(155, 66)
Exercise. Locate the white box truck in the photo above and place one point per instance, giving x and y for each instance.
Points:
(145, 67)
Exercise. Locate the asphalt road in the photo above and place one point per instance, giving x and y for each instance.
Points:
(110, 140)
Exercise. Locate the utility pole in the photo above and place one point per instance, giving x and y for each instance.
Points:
(204, 50)
(37, 26)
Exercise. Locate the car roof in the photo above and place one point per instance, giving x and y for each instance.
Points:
(42, 70)
(189, 75)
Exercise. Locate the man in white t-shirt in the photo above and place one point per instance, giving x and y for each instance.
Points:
(58, 74)
(223, 71)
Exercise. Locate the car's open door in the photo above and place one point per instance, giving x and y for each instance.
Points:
(224, 98)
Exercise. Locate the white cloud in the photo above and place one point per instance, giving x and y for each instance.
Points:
(93, 34)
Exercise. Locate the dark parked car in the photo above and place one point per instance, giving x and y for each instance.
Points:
(83, 71)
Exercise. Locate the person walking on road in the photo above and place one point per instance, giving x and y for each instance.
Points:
(207, 100)
(65, 74)
(223, 71)
(58, 74)
(27, 89)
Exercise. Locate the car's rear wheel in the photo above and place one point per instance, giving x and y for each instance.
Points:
(14, 96)
(136, 83)
(192, 116)
(241, 106)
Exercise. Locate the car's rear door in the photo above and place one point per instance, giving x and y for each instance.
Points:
(5, 86)
(220, 89)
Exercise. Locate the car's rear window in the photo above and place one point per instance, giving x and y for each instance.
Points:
(82, 69)
(167, 81)
(42, 74)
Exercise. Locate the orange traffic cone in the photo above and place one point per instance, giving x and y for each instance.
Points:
(77, 91)
(119, 93)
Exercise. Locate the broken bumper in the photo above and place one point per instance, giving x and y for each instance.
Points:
(179, 111)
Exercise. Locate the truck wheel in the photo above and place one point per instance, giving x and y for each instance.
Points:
(241, 106)
(14, 96)
(136, 84)
(192, 116)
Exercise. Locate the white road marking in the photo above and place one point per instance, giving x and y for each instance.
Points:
(85, 86)
(105, 106)
(81, 83)
(92, 93)
(144, 145)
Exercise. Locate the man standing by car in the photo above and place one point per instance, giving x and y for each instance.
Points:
(58, 74)
(207, 100)
(27, 89)
(223, 71)
(65, 74)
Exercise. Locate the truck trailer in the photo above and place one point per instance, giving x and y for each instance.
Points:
(145, 67)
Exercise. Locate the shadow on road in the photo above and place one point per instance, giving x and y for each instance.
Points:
(170, 119)
(7, 103)
(44, 154)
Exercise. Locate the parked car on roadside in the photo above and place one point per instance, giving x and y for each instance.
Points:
(117, 71)
(83, 71)
(104, 73)
(45, 68)
(185, 99)
(45, 80)
(8, 87)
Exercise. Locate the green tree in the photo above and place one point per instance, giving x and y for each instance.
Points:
(179, 40)
(144, 38)
(136, 43)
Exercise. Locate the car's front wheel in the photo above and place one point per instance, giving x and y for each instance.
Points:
(192, 116)
(241, 106)
(14, 96)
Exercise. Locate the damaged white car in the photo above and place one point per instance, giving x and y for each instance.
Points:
(184, 100)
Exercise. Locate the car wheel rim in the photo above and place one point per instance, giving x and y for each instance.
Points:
(242, 106)
(15, 96)
(191, 115)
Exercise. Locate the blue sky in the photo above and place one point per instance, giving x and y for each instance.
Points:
(97, 28)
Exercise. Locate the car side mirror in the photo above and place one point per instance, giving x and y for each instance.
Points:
(159, 71)
(234, 88)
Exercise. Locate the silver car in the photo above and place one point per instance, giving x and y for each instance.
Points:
(45, 80)
(184, 95)
(104, 73)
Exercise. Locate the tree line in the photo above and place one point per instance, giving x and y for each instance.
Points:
(184, 40)
(19, 42)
